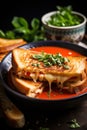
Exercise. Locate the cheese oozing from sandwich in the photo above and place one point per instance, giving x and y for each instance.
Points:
(67, 72)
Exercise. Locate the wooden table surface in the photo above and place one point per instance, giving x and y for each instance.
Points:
(52, 120)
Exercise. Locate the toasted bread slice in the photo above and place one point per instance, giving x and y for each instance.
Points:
(22, 60)
(9, 44)
(25, 66)
(11, 113)
(26, 87)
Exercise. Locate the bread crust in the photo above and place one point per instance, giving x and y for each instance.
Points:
(24, 86)
(9, 44)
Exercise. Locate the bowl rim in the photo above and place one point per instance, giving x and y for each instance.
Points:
(47, 15)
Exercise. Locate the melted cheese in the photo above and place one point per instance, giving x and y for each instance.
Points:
(33, 76)
(59, 79)
(50, 78)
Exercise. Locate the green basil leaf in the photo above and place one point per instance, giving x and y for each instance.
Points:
(18, 22)
(10, 34)
(2, 34)
(35, 23)
(22, 30)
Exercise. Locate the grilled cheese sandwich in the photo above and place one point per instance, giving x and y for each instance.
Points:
(70, 73)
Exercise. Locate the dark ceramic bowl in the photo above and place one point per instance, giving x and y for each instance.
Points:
(41, 104)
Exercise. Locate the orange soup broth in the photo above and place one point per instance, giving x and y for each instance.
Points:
(55, 95)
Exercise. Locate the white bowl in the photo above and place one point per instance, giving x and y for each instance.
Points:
(70, 33)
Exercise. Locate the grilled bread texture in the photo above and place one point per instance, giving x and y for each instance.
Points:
(9, 44)
(24, 86)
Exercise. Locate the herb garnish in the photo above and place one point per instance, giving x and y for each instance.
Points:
(41, 128)
(35, 64)
(64, 17)
(50, 59)
(74, 124)
(21, 28)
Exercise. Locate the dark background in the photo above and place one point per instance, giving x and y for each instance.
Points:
(34, 8)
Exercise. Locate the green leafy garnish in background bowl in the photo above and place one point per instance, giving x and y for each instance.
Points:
(22, 29)
(64, 17)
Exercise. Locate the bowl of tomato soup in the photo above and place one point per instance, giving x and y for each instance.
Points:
(59, 100)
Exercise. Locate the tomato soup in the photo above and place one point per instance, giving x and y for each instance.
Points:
(55, 94)
(54, 50)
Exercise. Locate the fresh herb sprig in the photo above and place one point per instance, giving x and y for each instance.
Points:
(74, 124)
(63, 17)
(22, 29)
(50, 59)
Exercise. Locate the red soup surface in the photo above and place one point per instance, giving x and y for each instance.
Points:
(55, 95)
